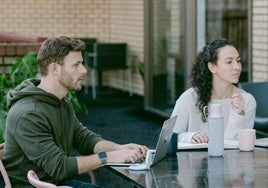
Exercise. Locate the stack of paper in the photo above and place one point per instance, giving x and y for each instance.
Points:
(262, 142)
(228, 144)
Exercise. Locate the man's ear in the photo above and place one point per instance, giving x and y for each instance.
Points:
(54, 68)
(211, 67)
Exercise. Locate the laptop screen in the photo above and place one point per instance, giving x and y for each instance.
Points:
(164, 139)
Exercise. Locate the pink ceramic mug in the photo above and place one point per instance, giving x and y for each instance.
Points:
(246, 139)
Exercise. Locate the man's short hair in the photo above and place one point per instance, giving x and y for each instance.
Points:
(54, 49)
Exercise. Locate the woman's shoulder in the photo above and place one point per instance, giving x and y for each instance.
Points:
(186, 100)
(189, 93)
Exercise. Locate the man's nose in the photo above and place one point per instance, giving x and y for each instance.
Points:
(84, 70)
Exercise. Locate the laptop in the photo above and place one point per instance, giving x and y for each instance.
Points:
(153, 156)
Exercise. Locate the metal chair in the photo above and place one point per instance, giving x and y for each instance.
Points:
(2, 168)
(32, 176)
(34, 180)
(106, 57)
(259, 91)
(89, 49)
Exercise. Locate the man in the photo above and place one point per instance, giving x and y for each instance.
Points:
(42, 128)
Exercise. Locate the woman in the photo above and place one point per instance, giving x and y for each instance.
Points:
(215, 71)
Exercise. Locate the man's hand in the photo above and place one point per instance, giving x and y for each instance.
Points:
(126, 155)
(140, 148)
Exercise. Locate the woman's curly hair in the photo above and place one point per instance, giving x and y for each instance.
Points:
(201, 77)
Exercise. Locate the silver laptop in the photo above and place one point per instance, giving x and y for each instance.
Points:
(154, 155)
(164, 140)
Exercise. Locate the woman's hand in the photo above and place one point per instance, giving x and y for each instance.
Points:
(199, 137)
(238, 103)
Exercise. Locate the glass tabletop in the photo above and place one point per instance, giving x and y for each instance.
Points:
(194, 168)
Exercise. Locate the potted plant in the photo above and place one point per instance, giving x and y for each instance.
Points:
(140, 68)
(21, 69)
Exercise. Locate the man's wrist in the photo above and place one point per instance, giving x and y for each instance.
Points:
(103, 157)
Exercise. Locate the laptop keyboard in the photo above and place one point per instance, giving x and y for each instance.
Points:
(151, 157)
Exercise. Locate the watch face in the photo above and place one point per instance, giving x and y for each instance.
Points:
(102, 155)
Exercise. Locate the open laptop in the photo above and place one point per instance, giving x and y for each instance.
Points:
(154, 155)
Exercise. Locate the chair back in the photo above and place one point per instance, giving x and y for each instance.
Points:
(32, 176)
(259, 91)
(34, 180)
(109, 56)
(89, 43)
(2, 168)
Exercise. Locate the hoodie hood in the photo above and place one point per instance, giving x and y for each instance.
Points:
(28, 88)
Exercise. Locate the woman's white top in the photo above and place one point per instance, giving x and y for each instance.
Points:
(189, 119)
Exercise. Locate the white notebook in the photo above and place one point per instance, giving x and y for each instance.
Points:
(228, 144)
(262, 142)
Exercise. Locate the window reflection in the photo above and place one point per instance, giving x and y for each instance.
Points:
(228, 19)
(167, 67)
(234, 169)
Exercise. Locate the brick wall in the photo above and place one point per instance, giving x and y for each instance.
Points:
(260, 40)
(112, 21)
(106, 20)
(55, 17)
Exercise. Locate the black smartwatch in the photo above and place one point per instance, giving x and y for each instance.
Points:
(103, 157)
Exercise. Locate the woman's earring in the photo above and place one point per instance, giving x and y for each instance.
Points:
(206, 112)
